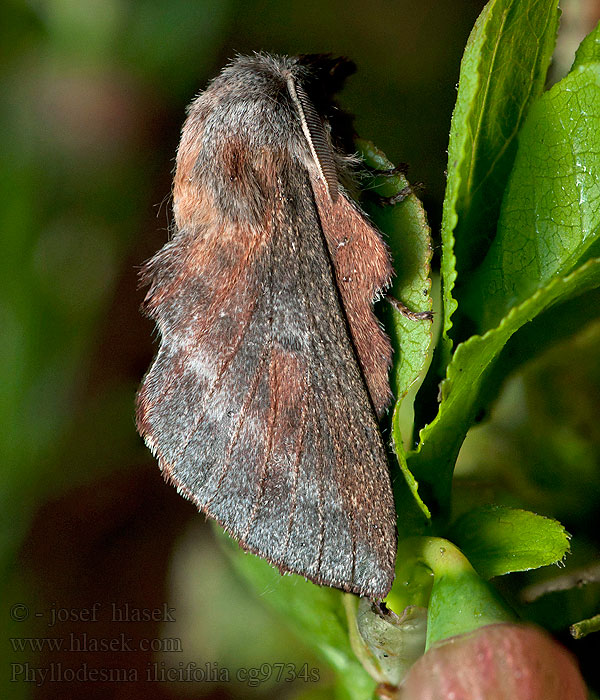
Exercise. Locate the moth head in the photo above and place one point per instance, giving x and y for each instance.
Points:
(260, 112)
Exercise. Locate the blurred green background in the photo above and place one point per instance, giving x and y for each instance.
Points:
(93, 94)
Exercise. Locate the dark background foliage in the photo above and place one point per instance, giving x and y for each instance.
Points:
(93, 97)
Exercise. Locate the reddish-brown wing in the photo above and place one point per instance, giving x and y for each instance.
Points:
(363, 270)
(256, 405)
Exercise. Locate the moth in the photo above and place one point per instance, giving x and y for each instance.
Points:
(262, 403)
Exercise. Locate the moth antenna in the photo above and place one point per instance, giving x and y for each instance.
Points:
(315, 133)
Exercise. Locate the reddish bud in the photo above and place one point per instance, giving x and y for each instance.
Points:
(503, 661)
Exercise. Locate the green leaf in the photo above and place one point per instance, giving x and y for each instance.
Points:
(589, 50)
(316, 613)
(545, 331)
(460, 600)
(413, 514)
(503, 69)
(463, 392)
(321, 691)
(550, 218)
(408, 236)
(498, 540)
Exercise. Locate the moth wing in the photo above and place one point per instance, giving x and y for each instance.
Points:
(360, 258)
(256, 405)
(363, 269)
